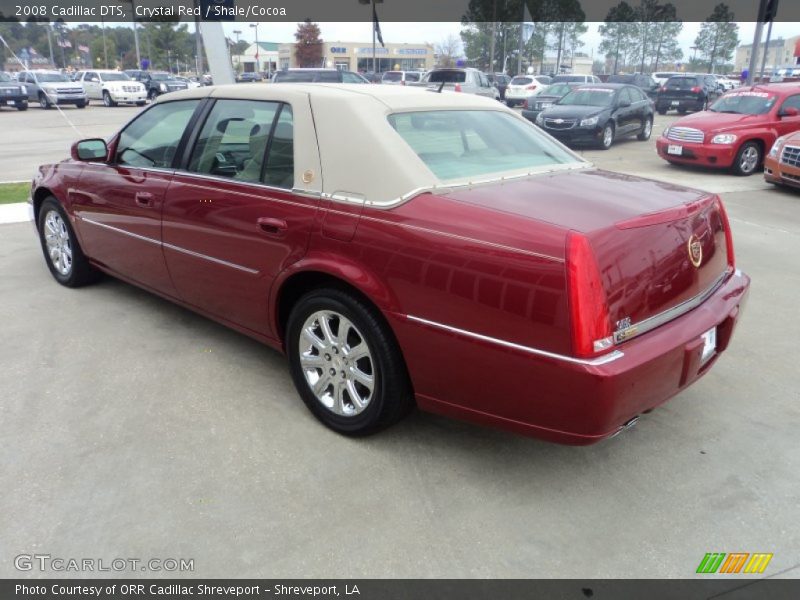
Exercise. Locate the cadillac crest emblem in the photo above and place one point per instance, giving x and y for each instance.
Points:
(695, 251)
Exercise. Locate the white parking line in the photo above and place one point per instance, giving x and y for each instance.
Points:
(14, 213)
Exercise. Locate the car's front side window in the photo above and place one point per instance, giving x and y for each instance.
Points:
(152, 139)
(238, 135)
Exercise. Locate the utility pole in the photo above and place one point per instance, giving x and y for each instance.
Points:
(105, 49)
(766, 12)
(136, 35)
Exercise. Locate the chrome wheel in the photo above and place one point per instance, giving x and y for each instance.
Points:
(748, 160)
(337, 363)
(59, 245)
(608, 136)
(648, 128)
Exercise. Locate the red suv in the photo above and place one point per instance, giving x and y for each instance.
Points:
(736, 131)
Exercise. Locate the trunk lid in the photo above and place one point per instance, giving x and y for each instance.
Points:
(659, 247)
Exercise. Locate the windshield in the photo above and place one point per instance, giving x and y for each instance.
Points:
(681, 83)
(159, 76)
(447, 77)
(51, 77)
(460, 144)
(295, 76)
(521, 80)
(393, 76)
(114, 77)
(558, 89)
(588, 97)
(744, 103)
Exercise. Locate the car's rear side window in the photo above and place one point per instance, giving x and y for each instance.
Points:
(521, 80)
(466, 143)
(152, 139)
(237, 136)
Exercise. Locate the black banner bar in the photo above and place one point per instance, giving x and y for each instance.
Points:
(80, 11)
(732, 588)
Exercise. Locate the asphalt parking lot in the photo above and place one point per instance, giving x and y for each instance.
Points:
(134, 428)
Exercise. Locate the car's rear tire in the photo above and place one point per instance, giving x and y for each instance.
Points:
(80, 104)
(21, 105)
(44, 101)
(681, 111)
(510, 104)
(747, 160)
(607, 137)
(62, 252)
(662, 111)
(152, 95)
(345, 363)
(647, 130)
(141, 103)
(107, 101)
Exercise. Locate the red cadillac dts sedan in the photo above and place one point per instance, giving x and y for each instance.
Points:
(403, 246)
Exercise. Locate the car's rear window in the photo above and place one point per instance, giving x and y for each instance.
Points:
(393, 76)
(447, 77)
(569, 78)
(295, 76)
(412, 76)
(521, 80)
(681, 83)
(460, 144)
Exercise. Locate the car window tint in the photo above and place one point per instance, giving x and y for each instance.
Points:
(447, 76)
(625, 96)
(152, 139)
(412, 76)
(328, 77)
(233, 140)
(348, 77)
(792, 102)
(467, 143)
(279, 171)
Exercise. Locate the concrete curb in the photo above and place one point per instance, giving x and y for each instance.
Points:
(14, 213)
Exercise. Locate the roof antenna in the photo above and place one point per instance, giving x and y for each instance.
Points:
(441, 85)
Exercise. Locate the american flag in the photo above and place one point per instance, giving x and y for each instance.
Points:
(84, 49)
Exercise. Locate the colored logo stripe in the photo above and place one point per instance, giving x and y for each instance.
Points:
(713, 562)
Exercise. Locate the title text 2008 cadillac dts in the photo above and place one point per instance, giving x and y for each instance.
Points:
(406, 247)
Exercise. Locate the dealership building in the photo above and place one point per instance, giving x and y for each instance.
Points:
(357, 56)
(781, 53)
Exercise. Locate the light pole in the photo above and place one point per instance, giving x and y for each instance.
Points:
(237, 33)
(258, 66)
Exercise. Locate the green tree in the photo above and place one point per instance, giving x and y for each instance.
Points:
(308, 49)
(619, 34)
(718, 37)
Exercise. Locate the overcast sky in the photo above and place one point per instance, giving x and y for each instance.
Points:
(436, 32)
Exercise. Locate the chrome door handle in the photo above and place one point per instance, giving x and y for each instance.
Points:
(144, 199)
(271, 226)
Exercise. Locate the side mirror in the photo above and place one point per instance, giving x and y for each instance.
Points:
(789, 111)
(89, 150)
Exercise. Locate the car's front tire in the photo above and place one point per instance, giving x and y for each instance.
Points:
(661, 111)
(107, 101)
(152, 95)
(607, 136)
(345, 363)
(62, 252)
(44, 101)
(747, 159)
(141, 103)
(81, 104)
(21, 105)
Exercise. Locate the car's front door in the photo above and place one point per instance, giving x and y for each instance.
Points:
(788, 123)
(92, 85)
(625, 112)
(118, 203)
(231, 219)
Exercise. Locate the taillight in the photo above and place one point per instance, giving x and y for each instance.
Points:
(458, 87)
(663, 88)
(530, 87)
(588, 307)
(696, 90)
(728, 234)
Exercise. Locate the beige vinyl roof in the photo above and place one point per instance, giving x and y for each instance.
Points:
(361, 157)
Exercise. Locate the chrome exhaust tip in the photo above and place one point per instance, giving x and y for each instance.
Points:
(627, 425)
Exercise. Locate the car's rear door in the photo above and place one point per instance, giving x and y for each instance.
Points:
(118, 203)
(232, 217)
(91, 85)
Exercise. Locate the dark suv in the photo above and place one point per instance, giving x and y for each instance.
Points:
(317, 76)
(12, 92)
(644, 82)
(158, 82)
(687, 92)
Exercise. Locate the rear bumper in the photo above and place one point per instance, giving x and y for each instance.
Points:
(680, 103)
(707, 155)
(777, 172)
(558, 398)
